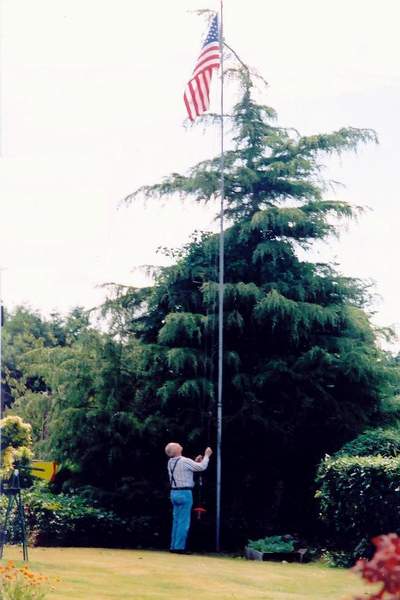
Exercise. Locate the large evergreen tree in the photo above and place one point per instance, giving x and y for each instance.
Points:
(303, 372)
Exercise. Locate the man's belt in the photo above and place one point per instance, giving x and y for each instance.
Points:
(181, 488)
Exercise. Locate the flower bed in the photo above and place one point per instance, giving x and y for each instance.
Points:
(295, 556)
(275, 548)
(20, 583)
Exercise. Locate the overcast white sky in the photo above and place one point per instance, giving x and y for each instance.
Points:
(91, 109)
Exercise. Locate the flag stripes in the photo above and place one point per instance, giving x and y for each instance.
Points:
(197, 92)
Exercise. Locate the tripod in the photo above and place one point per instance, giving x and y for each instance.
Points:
(12, 489)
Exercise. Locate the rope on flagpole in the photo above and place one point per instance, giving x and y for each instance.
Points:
(236, 55)
(221, 298)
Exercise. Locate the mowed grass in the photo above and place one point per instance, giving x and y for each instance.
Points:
(100, 574)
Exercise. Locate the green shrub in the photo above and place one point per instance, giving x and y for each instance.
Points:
(359, 497)
(383, 441)
(63, 520)
(16, 442)
(15, 432)
(337, 558)
(273, 543)
(67, 520)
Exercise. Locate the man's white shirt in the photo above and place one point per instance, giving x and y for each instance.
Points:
(181, 469)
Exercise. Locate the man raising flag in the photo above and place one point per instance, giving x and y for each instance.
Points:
(197, 92)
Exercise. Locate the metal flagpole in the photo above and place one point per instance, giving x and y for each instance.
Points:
(221, 296)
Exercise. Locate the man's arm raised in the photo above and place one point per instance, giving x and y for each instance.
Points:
(196, 465)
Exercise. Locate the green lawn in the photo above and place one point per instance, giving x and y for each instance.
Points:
(97, 574)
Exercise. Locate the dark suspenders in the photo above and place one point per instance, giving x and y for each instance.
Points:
(171, 474)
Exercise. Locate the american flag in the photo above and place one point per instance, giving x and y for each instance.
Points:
(197, 92)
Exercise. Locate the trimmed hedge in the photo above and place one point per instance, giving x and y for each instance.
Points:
(359, 497)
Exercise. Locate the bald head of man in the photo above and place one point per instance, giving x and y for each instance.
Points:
(173, 449)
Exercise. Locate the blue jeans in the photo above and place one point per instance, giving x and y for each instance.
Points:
(182, 501)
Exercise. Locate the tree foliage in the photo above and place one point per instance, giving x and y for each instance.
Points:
(379, 441)
(303, 371)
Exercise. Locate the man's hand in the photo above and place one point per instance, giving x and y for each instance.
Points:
(198, 458)
(208, 452)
